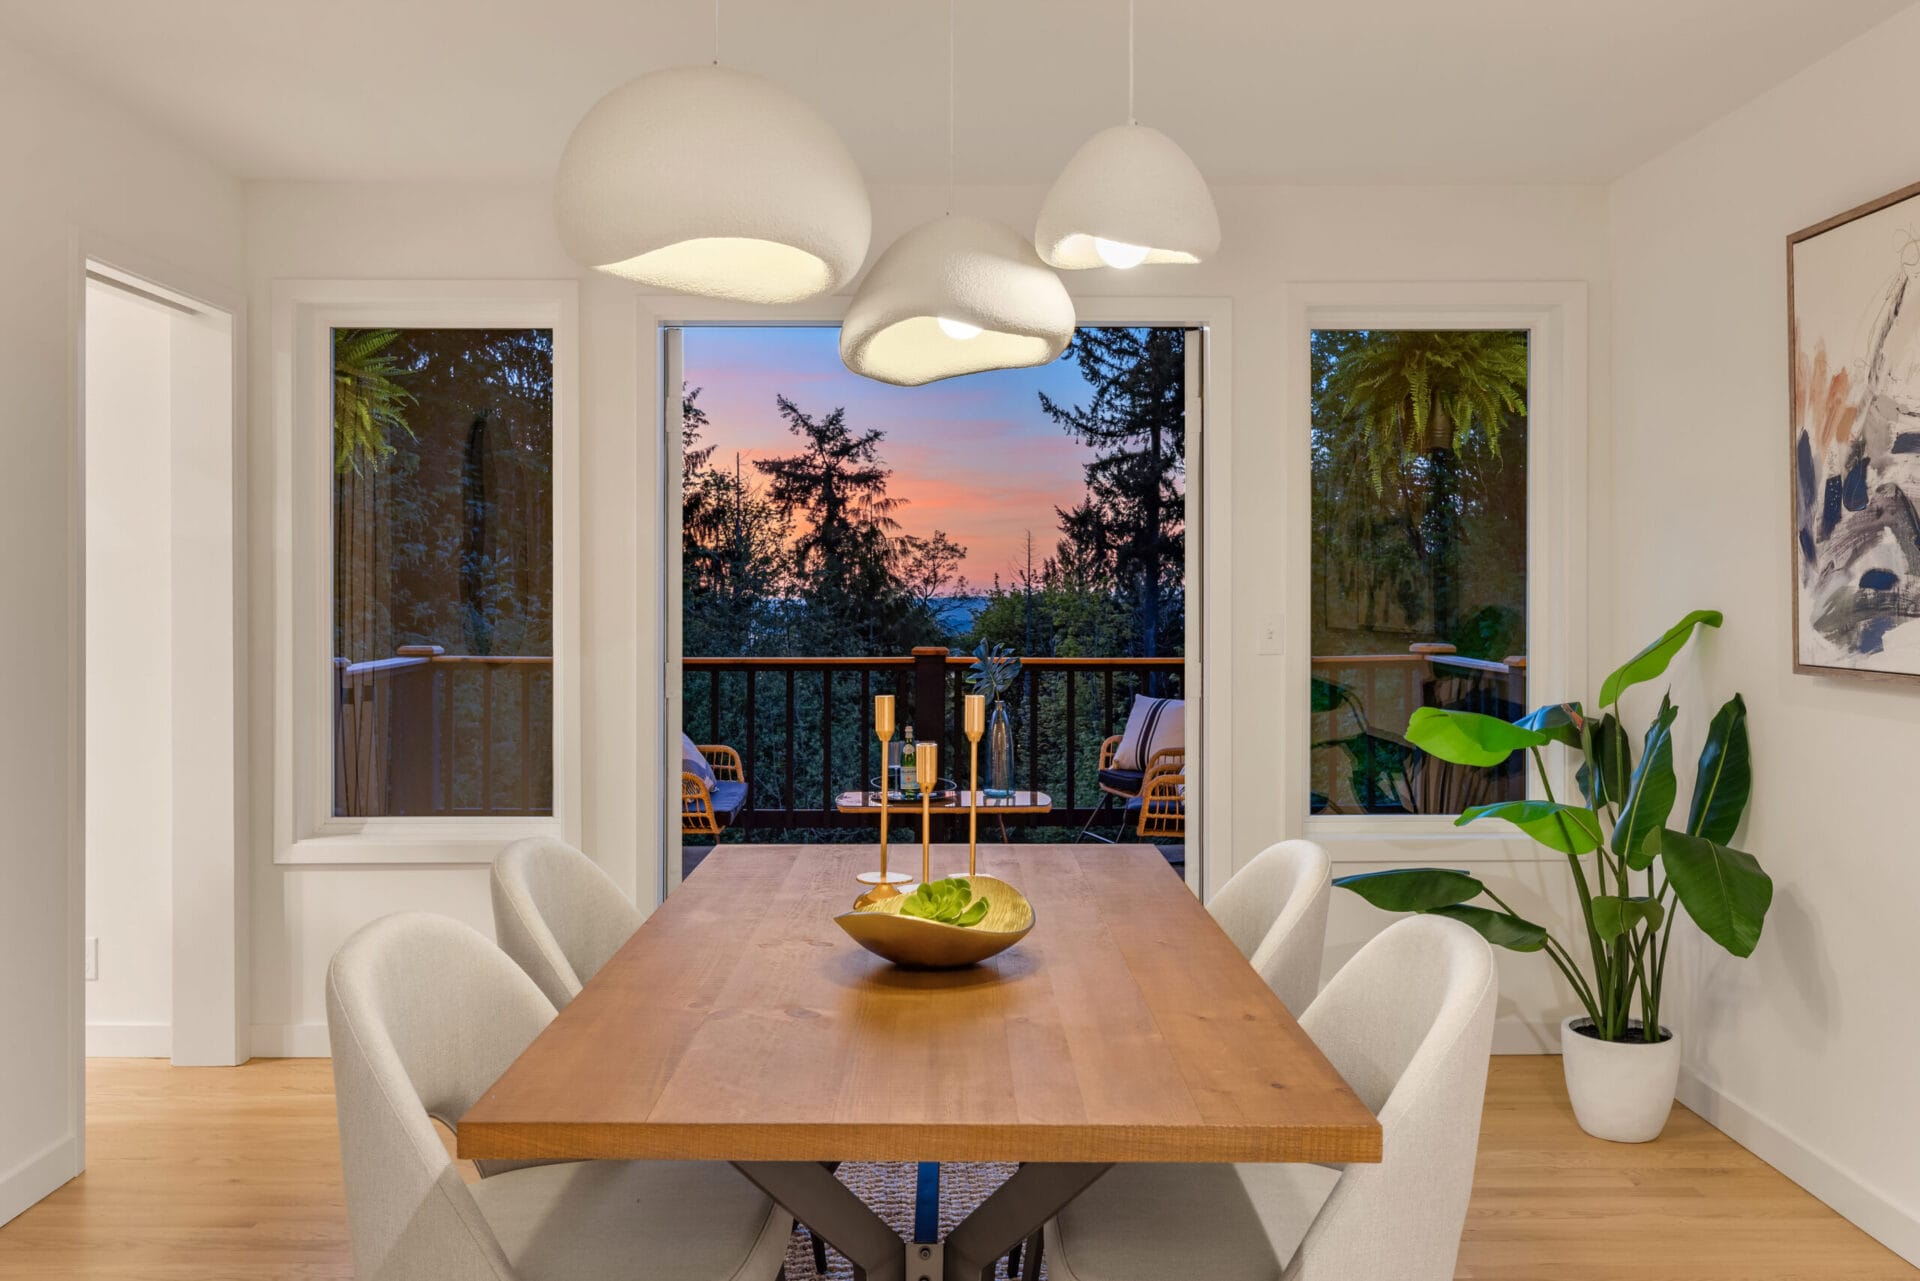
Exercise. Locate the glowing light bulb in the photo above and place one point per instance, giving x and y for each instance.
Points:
(960, 329)
(1118, 253)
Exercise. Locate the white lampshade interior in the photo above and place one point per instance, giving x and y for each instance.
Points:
(954, 296)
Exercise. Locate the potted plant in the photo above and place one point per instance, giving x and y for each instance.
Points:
(1634, 868)
(995, 669)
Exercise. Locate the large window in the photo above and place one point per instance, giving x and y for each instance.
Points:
(1419, 559)
(443, 571)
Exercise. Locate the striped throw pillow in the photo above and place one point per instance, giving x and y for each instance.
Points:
(1154, 725)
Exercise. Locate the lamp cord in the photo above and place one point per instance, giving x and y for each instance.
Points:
(716, 32)
(1131, 118)
(950, 4)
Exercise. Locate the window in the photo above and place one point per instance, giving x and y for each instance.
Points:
(426, 654)
(1419, 592)
(443, 571)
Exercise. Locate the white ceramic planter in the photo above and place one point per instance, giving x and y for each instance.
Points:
(1621, 1090)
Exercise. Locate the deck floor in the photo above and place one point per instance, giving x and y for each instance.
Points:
(204, 1174)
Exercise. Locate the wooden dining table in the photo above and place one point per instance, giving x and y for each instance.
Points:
(740, 1024)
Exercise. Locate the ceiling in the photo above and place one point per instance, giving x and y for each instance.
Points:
(1256, 90)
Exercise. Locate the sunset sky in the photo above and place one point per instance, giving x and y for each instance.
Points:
(973, 456)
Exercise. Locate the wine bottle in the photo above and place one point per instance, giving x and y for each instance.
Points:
(909, 780)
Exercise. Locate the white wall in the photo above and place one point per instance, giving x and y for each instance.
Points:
(129, 715)
(73, 162)
(1808, 1050)
(1273, 237)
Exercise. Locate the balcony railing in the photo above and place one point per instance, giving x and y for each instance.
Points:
(431, 733)
(804, 726)
(1361, 762)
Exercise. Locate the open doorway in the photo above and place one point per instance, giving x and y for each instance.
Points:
(841, 539)
(161, 663)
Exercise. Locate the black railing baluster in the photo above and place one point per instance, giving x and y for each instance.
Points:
(861, 726)
(1073, 741)
(787, 788)
(713, 711)
(753, 743)
(826, 740)
(1033, 729)
(524, 757)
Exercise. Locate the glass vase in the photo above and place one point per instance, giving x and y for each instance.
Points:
(999, 752)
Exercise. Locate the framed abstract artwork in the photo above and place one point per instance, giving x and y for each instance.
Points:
(1853, 333)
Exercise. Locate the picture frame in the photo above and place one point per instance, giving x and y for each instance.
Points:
(1853, 361)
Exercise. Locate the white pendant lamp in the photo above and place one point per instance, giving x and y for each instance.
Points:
(1130, 195)
(711, 181)
(953, 296)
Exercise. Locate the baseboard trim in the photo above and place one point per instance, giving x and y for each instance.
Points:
(129, 1040)
(1850, 1196)
(1513, 1034)
(38, 1175)
(291, 1041)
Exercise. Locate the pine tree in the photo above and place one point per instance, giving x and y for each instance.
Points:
(1132, 522)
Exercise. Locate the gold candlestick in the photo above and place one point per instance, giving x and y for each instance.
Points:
(884, 883)
(926, 769)
(976, 725)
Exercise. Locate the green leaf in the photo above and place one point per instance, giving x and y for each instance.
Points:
(1652, 661)
(1571, 829)
(1613, 916)
(1725, 776)
(1412, 889)
(1636, 835)
(1558, 721)
(944, 901)
(1468, 738)
(1498, 928)
(1611, 764)
(1723, 889)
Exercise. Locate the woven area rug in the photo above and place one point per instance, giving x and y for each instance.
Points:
(889, 1188)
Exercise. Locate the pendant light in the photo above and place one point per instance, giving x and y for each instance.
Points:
(711, 181)
(1130, 195)
(953, 296)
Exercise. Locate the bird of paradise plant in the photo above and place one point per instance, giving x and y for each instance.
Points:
(1632, 869)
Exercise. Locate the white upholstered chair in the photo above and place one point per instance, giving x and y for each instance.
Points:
(557, 914)
(1409, 1024)
(1275, 911)
(423, 1014)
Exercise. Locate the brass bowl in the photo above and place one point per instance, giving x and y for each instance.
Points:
(918, 944)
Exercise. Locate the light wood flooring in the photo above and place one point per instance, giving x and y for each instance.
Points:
(204, 1174)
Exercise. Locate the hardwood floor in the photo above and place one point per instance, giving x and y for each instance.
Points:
(206, 1174)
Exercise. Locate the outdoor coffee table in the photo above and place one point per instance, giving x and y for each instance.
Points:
(908, 811)
(741, 1024)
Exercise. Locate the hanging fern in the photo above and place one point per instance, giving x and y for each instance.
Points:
(369, 402)
(1417, 390)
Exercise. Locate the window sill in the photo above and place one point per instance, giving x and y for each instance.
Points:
(466, 842)
(1421, 838)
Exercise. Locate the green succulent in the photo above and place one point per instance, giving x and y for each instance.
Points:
(995, 669)
(950, 902)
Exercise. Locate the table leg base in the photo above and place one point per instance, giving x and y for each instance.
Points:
(1014, 1214)
(810, 1193)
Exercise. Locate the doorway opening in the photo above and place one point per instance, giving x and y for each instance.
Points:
(160, 664)
(840, 540)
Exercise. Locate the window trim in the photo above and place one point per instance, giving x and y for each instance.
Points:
(1554, 313)
(304, 312)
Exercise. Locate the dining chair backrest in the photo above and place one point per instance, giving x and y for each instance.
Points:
(423, 1014)
(1409, 1024)
(558, 914)
(1275, 911)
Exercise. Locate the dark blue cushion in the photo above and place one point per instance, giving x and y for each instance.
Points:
(1123, 780)
(729, 798)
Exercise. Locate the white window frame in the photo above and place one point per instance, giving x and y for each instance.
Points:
(305, 312)
(1554, 314)
(1209, 556)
